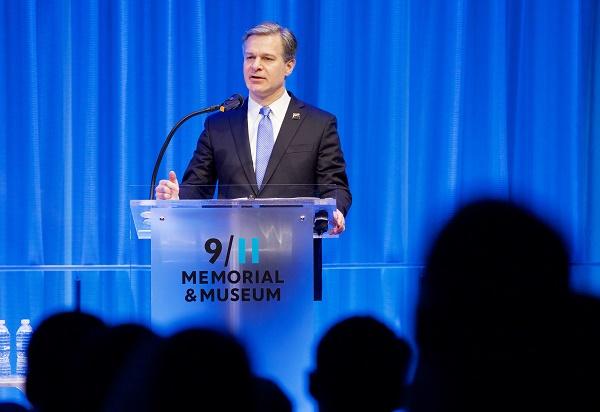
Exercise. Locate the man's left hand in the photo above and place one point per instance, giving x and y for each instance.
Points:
(338, 222)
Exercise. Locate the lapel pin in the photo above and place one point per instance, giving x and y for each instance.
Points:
(296, 116)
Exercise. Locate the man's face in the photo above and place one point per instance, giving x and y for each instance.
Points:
(264, 67)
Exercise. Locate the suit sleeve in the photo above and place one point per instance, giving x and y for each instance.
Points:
(331, 167)
(200, 177)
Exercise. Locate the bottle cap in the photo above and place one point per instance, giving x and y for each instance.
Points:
(24, 321)
(2, 321)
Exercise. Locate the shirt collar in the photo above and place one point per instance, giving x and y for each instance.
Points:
(278, 107)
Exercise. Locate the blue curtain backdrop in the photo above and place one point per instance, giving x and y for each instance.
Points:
(438, 102)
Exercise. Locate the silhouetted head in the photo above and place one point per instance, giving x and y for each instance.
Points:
(269, 396)
(54, 350)
(491, 308)
(201, 369)
(106, 353)
(493, 265)
(361, 365)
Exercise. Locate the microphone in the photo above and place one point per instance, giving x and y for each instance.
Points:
(231, 103)
(321, 222)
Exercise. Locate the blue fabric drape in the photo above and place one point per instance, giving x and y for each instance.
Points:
(438, 102)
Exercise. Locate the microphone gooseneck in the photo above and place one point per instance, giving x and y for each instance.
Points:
(231, 103)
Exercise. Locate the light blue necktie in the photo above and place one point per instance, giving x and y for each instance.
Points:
(264, 144)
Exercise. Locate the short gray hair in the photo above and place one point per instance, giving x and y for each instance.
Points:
(287, 37)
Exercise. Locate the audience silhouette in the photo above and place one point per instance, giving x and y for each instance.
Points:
(196, 369)
(54, 350)
(361, 365)
(495, 320)
(269, 397)
(105, 354)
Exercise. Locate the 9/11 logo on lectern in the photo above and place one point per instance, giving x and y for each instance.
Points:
(214, 247)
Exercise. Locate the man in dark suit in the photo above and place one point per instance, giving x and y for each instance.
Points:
(274, 145)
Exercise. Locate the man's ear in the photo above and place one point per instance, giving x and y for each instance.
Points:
(289, 67)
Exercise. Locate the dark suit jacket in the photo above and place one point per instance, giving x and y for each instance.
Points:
(307, 159)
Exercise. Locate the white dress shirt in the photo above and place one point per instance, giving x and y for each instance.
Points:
(278, 109)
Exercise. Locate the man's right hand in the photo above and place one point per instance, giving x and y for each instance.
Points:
(168, 189)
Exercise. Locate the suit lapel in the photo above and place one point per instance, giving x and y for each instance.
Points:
(288, 130)
(238, 122)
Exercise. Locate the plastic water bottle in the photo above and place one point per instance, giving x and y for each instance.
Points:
(23, 337)
(4, 350)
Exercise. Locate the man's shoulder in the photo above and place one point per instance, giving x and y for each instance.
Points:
(311, 110)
